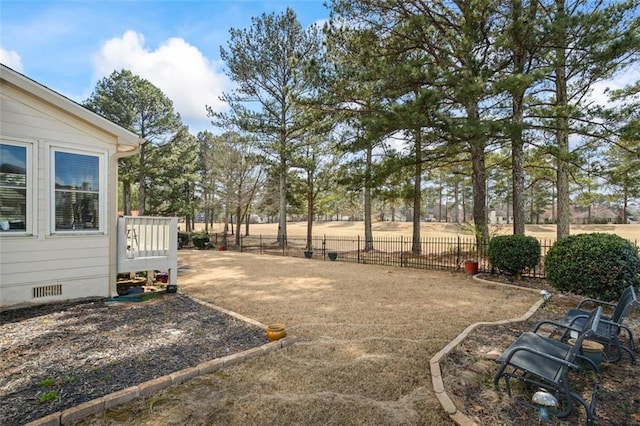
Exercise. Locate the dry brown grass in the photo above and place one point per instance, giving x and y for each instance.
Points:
(439, 230)
(366, 336)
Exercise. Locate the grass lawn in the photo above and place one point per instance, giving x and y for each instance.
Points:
(366, 334)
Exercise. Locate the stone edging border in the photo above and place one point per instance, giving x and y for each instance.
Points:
(148, 388)
(436, 374)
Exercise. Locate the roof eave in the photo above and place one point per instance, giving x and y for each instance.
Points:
(126, 141)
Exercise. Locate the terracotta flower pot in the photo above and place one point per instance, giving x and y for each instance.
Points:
(471, 267)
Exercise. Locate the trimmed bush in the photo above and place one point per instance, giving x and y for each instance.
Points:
(200, 239)
(595, 265)
(513, 253)
(183, 239)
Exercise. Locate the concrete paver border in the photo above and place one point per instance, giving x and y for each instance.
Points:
(148, 388)
(436, 374)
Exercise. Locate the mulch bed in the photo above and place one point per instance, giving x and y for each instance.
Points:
(468, 373)
(54, 357)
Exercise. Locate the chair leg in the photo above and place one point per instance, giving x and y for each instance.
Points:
(496, 378)
(620, 349)
(588, 360)
(627, 350)
(569, 397)
(632, 343)
(589, 408)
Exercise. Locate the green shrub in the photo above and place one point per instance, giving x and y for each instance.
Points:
(513, 253)
(183, 239)
(200, 239)
(595, 265)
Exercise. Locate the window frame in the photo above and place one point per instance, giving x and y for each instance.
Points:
(31, 182)
(102, 191)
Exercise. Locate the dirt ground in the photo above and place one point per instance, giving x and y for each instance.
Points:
(366, 334)
(468, 376)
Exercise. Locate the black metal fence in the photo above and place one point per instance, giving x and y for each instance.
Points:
(448, 253)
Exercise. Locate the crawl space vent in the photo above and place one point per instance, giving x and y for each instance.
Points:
(47, 290)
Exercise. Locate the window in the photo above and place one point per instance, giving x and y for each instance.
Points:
(14, 187)
(77, 198)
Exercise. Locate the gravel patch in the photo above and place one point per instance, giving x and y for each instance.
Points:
(54, 357)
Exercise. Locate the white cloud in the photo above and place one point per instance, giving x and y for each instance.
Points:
(176, 67)
(599, 89)
(11, 59)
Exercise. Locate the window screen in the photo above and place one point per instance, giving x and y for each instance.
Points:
(77, 191)
(13, 188)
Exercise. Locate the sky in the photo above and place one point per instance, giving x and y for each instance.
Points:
(70, 45)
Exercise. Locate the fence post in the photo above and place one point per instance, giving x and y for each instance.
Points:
(358, 249)
(324, 246)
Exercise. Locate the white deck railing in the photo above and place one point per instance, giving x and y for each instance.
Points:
(148, 244)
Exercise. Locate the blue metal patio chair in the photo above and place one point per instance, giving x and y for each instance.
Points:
(544, 362)
(609, 328)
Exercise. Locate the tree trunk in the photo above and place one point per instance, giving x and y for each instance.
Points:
(225, 230)
(282, 221)
(207, 212)
(455, 217)
(562, 123)
(238, 222)
(187, 224)
(417, 194)
(440, 200)
(142, 180)
(517, 156)
(309, 211)
(477, 147)
(126, 196)
(368, 229)
(519, 56)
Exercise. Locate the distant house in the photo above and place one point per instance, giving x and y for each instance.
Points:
(499, 217)
(58, 195)
(600, 213)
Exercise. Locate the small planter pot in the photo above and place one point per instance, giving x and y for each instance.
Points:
(471, 267)
(276, 332)
(332, 255)
(308, 254)
(592, 350)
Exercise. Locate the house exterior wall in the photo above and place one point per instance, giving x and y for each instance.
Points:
(41, 265)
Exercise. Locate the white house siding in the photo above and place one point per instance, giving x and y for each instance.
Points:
(80, 265)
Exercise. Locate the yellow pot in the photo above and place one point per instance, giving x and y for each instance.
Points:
(276, 332)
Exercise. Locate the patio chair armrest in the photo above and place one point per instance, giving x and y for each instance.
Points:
(555, 324)
(516, 349)
(603, 320)
(596, 301)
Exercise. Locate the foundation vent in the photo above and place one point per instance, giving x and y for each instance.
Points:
(47, 290)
